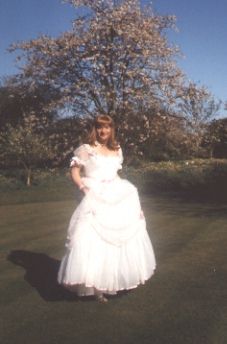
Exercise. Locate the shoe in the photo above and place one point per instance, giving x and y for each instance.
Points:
(102, 299)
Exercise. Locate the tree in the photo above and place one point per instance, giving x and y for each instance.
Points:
(16, 100)
(116, 60)
(215, 138)
(167, 137)
(26, 145)
(65, 134)
(197, 107)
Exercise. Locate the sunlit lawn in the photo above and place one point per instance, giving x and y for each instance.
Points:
(184, 302)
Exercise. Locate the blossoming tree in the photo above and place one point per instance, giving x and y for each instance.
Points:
(115, 60)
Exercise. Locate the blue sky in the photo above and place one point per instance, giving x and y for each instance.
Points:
(202, 35)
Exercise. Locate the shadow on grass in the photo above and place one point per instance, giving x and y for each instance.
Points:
(41, 274)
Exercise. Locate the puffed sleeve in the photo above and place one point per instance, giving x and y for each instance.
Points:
(80, 156)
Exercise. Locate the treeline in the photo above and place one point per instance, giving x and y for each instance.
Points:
(27, 130)
(115, 60)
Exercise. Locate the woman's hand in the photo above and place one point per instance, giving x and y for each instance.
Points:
(85, 190)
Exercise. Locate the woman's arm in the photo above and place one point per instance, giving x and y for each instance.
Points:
(75, 174)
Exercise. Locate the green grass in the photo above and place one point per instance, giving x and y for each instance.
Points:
(183, 303)
(47, 186)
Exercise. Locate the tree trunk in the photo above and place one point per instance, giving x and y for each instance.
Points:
(211, 153)
(29, 176)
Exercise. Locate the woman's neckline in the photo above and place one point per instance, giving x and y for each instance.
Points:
(103, 155)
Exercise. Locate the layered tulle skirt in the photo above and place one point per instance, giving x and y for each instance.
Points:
(107, 247)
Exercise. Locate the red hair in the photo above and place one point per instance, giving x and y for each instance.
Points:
(100, 121)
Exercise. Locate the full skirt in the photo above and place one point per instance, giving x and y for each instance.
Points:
(107, 247)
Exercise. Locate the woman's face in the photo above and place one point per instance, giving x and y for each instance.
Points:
(103, 132)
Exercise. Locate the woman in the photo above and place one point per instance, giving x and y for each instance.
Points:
(108, 247)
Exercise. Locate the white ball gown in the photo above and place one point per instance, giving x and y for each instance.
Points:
(107, 245)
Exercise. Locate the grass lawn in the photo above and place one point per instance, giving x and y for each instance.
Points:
(185, 302)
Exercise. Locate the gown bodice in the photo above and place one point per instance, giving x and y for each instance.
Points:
(97, 166)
